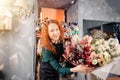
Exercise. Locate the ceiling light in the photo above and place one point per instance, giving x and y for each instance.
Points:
(72, 2)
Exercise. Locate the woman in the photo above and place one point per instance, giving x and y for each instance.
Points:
(52, 38)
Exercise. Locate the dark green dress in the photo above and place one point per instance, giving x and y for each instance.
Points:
(50, 67)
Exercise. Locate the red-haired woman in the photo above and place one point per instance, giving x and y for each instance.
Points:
(52, 38)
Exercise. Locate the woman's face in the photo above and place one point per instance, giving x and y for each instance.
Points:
(53, 32)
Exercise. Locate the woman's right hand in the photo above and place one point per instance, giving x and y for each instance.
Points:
(82, 68)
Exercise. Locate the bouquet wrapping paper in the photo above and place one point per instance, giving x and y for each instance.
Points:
(112, 67)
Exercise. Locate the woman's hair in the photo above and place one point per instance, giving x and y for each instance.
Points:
(45, 40)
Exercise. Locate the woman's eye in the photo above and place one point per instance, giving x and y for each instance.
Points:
(51, 30)
(57, 29)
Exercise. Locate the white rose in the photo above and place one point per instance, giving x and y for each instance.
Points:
(94, 61)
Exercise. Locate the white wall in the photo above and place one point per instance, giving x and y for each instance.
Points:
(17, 46)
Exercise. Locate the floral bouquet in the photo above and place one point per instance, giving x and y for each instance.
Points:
(107, 54)
(91, 51)
(79, 51)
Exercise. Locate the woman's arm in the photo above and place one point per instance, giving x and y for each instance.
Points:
(82, 68)
(48, 57)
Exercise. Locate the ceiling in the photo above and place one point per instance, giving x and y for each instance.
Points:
(57, 4)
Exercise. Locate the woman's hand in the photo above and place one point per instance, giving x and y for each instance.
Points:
(82, 68)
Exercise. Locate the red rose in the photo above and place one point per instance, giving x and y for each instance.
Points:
(87, 48)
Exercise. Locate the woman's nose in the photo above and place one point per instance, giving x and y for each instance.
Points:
(55, 32)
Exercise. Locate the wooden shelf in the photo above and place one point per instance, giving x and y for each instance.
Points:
(114, 78)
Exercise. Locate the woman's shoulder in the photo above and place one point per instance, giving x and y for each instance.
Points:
(45, 50)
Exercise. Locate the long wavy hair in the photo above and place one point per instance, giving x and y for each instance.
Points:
(45, 39)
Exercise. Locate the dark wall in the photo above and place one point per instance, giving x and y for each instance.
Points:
(102, 10)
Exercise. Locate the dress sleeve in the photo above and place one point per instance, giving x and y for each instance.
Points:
(47, 56)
